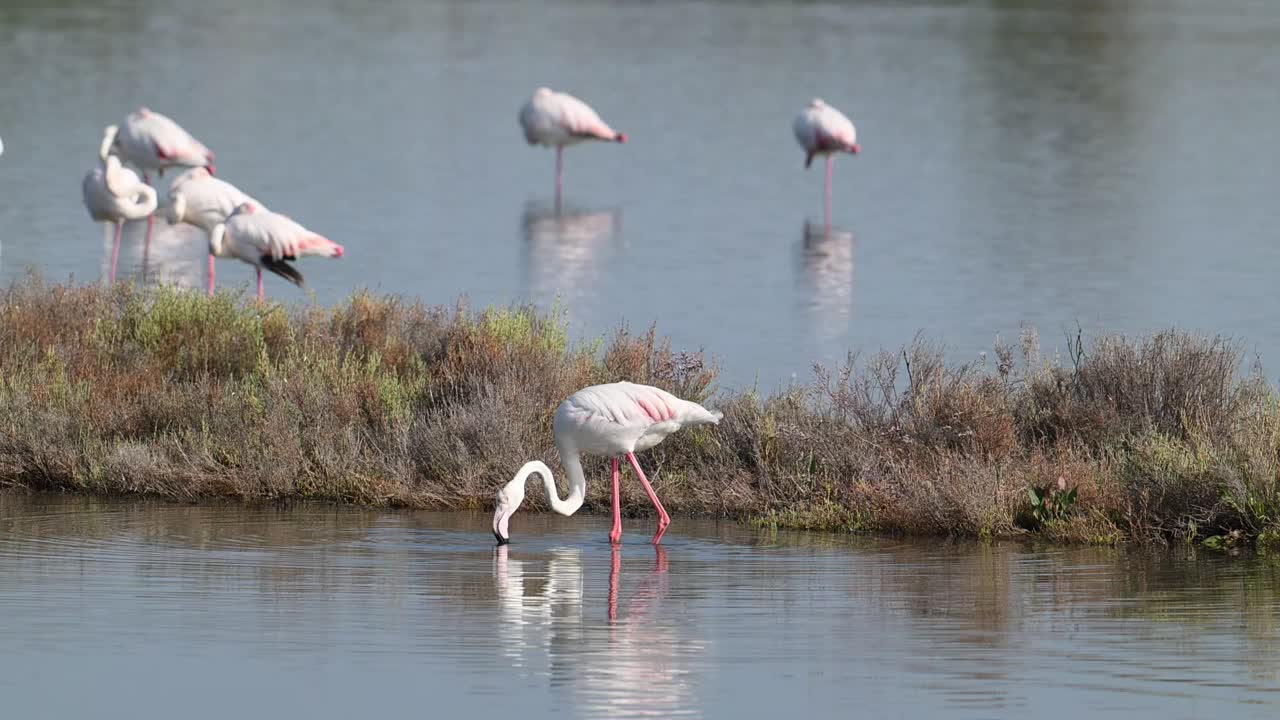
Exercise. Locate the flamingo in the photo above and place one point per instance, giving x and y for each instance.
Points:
(198, 198)
(557, 119)
(150, 141)
(113, 193)
(614, 419)
(823, 130)
(267, 240)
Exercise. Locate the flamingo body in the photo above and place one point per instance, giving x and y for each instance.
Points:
(822, 130)
(114, 194)
(558, 120)
(267, 240)
(198, 198)
(615, 419)
(149, 141)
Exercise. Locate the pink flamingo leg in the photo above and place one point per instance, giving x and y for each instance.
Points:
(559, 172)
(259, 284)
(831, 161)
(663, 518)
(115, 249)
(210, 274)
(615, 535)
(151, 221)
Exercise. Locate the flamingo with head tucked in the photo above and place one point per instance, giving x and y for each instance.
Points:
(616, 419)
(198, 198)
(823, 130)
(113, 193)
(267, 240)
(150, 141)
(558, 119)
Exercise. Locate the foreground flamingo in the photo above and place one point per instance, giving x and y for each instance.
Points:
(151, 141)
(267, 240)
(615, 419)
(557, 119)
(198, 198)
(113, 193)
(823, 130)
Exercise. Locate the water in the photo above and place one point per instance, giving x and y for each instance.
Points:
(1026, 163)
(140, 610)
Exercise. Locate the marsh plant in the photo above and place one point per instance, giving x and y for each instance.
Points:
(383, 401)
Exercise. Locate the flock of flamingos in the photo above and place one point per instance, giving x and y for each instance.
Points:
(616, 420)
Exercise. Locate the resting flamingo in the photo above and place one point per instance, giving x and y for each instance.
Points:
(267, 240)
(823, 130)
(150, 141)
(198, 198)
(113, 193)
(557, 119)
(615, 419)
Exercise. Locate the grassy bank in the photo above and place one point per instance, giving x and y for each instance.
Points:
(381, 401)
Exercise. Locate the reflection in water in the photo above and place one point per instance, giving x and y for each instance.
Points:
(177, 254)
(826, 272)
(566, 250)
(326, 612)
(639, 667)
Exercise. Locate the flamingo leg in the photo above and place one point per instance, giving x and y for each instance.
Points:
(559, 173)
(259, 284)
(211, 273)
(663, 518)
(115, 249)
(615, 535)
(146, 242)
(831, 161)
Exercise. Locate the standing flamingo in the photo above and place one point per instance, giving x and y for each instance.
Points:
(823, 130)
(615, 419)
(559, 119)
(113, 193)
(267, 240)
(150, 141)
(198, 198)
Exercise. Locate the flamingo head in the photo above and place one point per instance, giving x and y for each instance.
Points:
(509, 499)
(620, 137)
(855, 148)
(337, 251)
(210, 168)
(110, 142)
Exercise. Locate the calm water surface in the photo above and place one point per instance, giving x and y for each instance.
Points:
(133, 610)
(1026, 163)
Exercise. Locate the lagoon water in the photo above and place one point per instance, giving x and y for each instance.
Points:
(114, 609)
(1026, 163)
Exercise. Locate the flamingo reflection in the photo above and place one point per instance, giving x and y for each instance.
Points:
(565, 251)
(636, 664)
(827, 276)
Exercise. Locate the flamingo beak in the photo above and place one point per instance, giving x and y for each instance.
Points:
(855, 149)
(210, 168)
(501, 515)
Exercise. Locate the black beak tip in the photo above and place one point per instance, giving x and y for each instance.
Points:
(501, 540)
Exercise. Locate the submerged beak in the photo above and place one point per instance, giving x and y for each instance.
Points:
(500, 517)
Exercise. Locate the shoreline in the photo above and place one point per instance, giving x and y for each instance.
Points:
(381, 401)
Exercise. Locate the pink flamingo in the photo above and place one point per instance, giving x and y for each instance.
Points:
(823, 130)
(151, 141)
(113, 193)
(198, 198)
(616, 419)
(557, 119)
(267, 240)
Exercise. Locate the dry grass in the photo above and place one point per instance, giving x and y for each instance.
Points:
(383, 402)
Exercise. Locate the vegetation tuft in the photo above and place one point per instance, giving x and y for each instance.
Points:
(381, 401)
